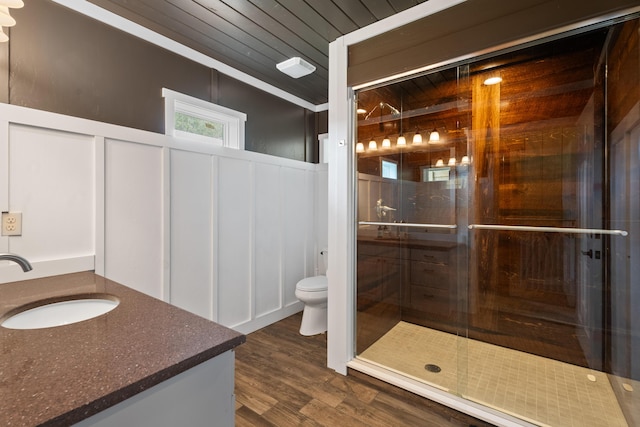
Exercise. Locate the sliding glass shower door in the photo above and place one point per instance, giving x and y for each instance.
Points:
(498, 235)
(413, 172)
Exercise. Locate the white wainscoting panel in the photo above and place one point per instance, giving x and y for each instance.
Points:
(243, 233)
(52, 183)
(134, 211)
(234, 213)
(298, 233)
(223, 233)
(268, 228)
(192, 233)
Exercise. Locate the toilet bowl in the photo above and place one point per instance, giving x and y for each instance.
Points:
(312, 291)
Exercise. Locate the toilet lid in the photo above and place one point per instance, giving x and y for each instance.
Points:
(311, 284)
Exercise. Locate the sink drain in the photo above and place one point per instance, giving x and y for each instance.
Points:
(432, 368)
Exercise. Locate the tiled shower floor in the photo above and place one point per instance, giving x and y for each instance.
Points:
(536, 389)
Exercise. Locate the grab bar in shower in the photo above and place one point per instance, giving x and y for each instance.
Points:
(408, 224)
(547, 229)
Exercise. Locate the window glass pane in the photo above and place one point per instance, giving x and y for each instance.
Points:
(389, 169)
(199, 126)
(435, 174)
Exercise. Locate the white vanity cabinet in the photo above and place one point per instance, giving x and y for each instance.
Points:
(201, 396)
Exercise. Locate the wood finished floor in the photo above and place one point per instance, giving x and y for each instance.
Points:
(282, 380)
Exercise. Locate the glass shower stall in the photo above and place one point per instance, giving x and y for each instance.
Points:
(498, 228)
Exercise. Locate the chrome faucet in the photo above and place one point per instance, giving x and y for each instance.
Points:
(23, 263)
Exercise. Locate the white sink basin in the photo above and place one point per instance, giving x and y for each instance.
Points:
(51, 314)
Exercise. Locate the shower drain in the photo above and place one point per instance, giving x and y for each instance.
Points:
(432, 368)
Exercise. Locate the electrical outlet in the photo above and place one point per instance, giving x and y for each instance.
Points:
(11, 224)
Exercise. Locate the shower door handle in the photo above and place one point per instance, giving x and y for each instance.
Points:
(547, 229)
(588, 253)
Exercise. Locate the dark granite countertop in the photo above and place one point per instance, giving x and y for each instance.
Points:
(62, 375)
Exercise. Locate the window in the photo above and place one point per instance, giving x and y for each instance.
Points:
(193, 119)
(389, 169)
(435, 174)
(192, 123)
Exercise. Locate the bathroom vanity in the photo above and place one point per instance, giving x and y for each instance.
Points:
(145, 363)
(405, 279)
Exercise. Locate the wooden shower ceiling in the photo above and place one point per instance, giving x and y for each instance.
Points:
(536, 88)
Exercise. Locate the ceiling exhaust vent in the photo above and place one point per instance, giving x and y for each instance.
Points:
(296, 67)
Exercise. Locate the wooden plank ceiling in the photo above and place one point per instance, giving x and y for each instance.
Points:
(252, 36)
(541, 84)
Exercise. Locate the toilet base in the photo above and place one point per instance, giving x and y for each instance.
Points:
(314, 320)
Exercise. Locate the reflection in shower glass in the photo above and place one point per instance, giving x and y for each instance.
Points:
(389, 169)
(506, 269)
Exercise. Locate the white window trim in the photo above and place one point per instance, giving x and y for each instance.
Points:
(233, 121)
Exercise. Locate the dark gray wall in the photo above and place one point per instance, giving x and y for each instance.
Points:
(269, 119)
(64, 62)
(61, 61)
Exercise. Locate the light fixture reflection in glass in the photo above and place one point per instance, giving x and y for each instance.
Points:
(452, 161)
(464, 160)
(359, 110)
(386, 143)
(492, 81)
(417, 138)
(372, 145)
(5, 18)
(434, 136)
(14, 4)
(359, 147)
(439, 163)
(402, 141)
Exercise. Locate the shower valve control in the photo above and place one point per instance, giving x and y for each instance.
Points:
(588, 253)
(591, 254)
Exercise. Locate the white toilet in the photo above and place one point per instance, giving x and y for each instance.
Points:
(312, 291)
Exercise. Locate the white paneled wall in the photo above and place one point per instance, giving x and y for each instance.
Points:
(134, 215)
(51, 181)
(223, 233)
(257, 217)
(268, 247)
(192, 232)
(234, 240)
(42, 162)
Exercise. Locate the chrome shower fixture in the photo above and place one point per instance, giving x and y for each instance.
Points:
(382, 105)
